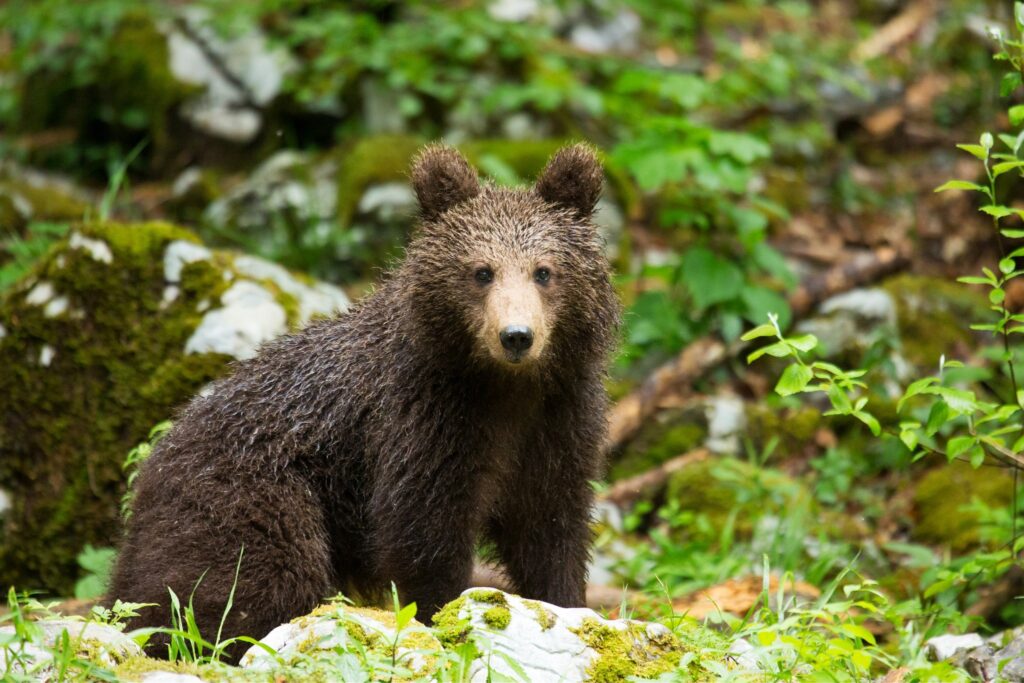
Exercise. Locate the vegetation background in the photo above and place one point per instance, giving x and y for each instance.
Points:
(770, 196)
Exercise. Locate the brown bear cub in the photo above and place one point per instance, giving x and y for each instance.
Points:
(462, 401)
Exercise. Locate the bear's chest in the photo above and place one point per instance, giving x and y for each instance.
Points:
(505, 436)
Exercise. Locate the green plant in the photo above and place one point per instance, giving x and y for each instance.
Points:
(22, 251)
(96, 564)
(941, 415)
(134, 460)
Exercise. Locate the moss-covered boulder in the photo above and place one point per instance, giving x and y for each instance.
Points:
(942, 500)
(727, 490)
(115, 327)
(27, 195)
(546, 642)
(935, 315)
(318, 642)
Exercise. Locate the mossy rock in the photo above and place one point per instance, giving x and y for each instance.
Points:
(27, 196)
(935, 315)
(111, 330)
(718, 488)
(312, 644)
(940, 499)
(791, 428)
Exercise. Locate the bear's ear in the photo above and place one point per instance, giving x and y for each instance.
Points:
(442, 178)
(572, 179)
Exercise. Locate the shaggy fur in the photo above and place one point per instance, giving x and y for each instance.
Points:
(383, 445)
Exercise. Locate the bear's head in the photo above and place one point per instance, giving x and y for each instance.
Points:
(513, 278)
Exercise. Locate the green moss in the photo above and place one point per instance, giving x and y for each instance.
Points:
(46, 202)
(934, 316)
(135, 668)
(545, 617)
(628, 652)
(719, 488)
(451, 627)
(791, 428)
(118, 368)
(659, 443)
(488, 596)
(497, 618)
(941, 496)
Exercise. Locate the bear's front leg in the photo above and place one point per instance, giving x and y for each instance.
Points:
(542, 525)
(543, 541)
(425, 531)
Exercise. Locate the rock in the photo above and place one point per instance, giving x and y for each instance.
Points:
(101, 644)
(1000, 657)
(249, 316)
(388, 201)
(288, 195)
(28, 195)
(945, 646)
(238, 76)
(726, 421)
(550, 643)
(337, 628)
(851, 321)
(934, 317)
(110, 331)
(940, 499)
(620, 33)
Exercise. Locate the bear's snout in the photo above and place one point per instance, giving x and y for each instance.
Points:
(516, 338)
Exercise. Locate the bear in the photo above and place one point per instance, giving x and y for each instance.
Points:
(462, 402)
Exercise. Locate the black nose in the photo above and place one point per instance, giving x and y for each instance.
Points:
(516, 338)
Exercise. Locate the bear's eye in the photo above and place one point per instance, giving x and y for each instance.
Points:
(483, 275)
(542, 275)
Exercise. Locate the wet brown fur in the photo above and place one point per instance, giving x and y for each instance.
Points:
(384, 444)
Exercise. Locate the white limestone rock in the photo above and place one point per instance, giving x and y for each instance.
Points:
(248, 316)
(550, 643)
(101, 644)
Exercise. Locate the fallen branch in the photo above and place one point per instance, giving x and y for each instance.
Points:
(623, 494)
(693, 362)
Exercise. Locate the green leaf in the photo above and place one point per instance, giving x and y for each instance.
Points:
(1005, 166)
(709, 278)
(840, 401)
(986, 140)
(1016, 114)
(405, 615)
(778, 350)
(997, 296)
(804, 342)
(959, 445)
(857, 631)
(996, 210)
(909, 439)
(766, 330)
(936, 417)
(977, 457)
(1012, 234)
(976, 150)
(959, 185)
(974, 280)
(794, 379)
(869, 420)
(1006, 265)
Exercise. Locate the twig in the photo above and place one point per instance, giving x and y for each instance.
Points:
(623, 494)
